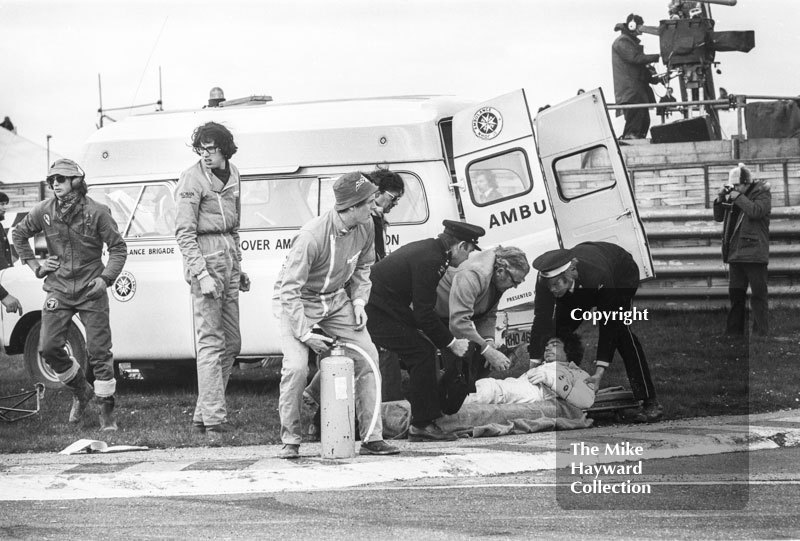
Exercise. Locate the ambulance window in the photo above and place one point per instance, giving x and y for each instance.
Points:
(413, 206)
(583, 173)
(278, 203)
(120, 199)
(155, 213)
(499, 177)
(411, 209)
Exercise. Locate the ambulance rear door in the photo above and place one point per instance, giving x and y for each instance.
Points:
(499, 180)
(587, 182)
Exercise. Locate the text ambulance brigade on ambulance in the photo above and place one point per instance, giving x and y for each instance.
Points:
(440, 146)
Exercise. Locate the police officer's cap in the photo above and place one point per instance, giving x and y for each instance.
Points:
(464, 231)
(553, 263)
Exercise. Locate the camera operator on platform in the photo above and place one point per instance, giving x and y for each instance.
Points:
(633, 76)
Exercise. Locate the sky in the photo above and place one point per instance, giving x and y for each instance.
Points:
(51, 52)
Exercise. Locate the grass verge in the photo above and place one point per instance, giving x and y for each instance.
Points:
(696, 371)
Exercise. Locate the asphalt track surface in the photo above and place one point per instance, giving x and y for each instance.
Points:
(217, 471)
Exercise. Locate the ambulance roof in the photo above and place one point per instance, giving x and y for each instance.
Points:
(275, 137)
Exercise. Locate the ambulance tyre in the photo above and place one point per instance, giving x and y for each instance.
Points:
(39, 370)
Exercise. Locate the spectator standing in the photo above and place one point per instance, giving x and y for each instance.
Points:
(207, 229)
(75, 280)
(330, 252)
(632, 77)
(744, 206)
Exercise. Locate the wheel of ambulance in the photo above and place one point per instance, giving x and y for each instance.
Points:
(38, 369)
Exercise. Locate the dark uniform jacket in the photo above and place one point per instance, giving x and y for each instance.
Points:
(631, 76)
(745, 230)
(606, 273)
(404, 286)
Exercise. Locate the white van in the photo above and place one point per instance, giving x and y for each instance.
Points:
(564, 186)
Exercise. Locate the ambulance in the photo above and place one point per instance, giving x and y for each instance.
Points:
(557, 180)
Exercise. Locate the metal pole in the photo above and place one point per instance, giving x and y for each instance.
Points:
(160, 96)
(48, 154)
(100, 93)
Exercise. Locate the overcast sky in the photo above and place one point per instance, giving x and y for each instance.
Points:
(53, 51)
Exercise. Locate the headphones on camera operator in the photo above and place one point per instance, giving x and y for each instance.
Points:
(633, 22)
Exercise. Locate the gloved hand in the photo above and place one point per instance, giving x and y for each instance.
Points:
(244, 282)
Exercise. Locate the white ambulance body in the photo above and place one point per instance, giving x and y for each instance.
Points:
(573, 187)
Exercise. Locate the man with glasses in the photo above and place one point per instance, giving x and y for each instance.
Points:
(328, 253)
(592, 275)
(467, 299)
(390, 189)
(207, 229)
(403, 319)
(75, 279)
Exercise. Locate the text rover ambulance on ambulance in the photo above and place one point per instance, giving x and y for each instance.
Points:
(560, 180)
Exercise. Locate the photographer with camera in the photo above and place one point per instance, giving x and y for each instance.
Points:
(744, 206)
(633, 76)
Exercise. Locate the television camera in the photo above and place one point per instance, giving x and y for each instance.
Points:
(688, 45)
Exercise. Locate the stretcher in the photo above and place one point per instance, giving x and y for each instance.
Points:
(613, 400)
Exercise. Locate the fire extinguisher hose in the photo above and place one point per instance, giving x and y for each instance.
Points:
(377, 412)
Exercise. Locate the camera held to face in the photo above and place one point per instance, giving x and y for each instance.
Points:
(725, 196)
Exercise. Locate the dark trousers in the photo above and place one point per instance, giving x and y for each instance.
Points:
(391, 375)
(417, 355)
(742, 275)
(473, 367)
(625, 342)
(637, 122)
(56, 320)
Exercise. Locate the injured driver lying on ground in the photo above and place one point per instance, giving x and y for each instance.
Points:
(558, 376)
